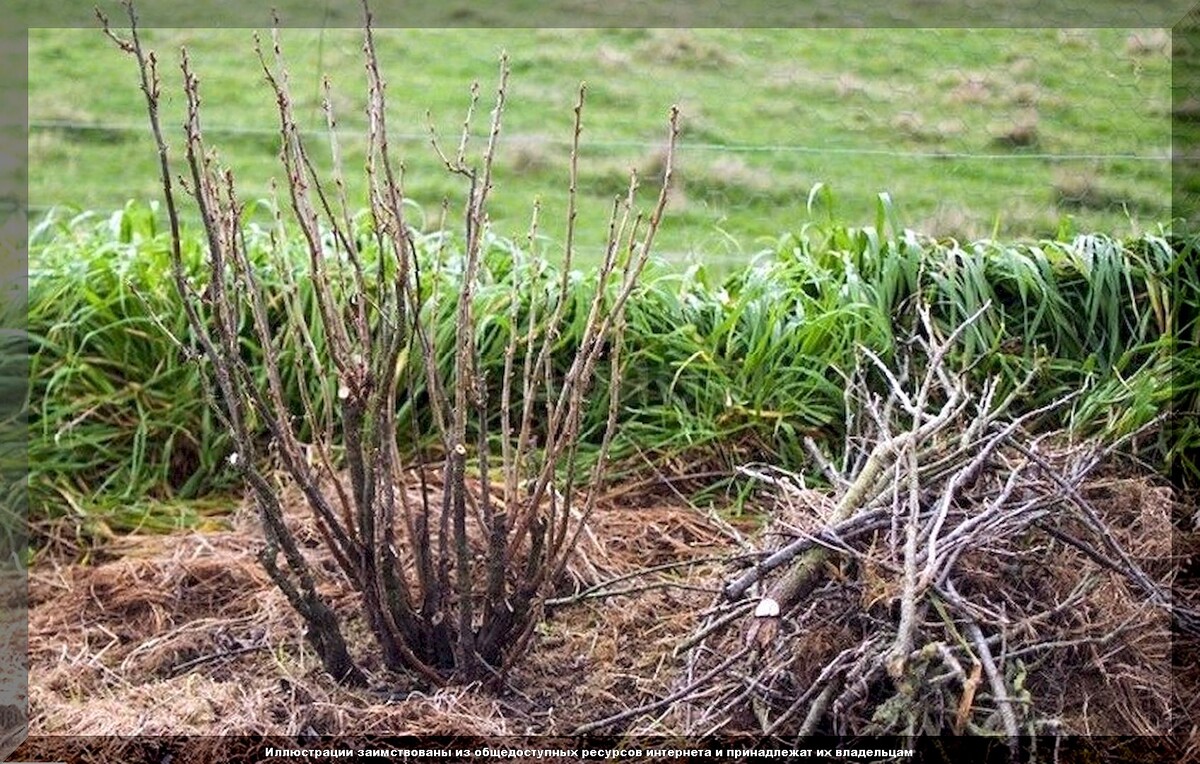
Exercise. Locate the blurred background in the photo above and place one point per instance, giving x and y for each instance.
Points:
(1012, 132)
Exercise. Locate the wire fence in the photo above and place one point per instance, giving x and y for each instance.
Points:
(687, 146)
(719, 253)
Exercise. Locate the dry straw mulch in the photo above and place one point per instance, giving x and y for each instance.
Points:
(185, 634)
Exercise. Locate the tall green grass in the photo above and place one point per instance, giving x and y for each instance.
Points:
(14, 462)
(723, 368)
(117, 414)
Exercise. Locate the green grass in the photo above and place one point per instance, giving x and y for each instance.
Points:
(731, 358)
(838, 92)
(722, 369)
(707, 13)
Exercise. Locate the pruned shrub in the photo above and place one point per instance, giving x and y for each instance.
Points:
(453, 552)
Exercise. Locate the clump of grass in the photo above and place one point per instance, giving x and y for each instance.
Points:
(684, 47)
(612, 178)
(1083, 39)
(952, 220)
(14, 434)
(612, 58)
(1025, 94)
(1019, 131)
(1081, 189)
(746, 368)
(529, 154)
(849, 85)
(1148, 42)
(912, 126)
(732, 181)
(971, 88)
(1022, 66)
(734, 171)
(1187, 110)
(116, 417)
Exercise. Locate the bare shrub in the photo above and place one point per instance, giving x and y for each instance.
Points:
(452, 581)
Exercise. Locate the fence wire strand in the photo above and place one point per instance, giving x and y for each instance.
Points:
(733, 148)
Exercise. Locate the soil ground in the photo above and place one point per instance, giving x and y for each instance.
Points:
(185, 635)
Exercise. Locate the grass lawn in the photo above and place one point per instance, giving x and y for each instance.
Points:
(945, 121)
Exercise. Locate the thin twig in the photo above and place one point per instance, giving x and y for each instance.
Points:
(662, 702)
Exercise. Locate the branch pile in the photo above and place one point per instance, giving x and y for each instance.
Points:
(967, 575)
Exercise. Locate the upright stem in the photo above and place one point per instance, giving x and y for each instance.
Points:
(451, 569)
